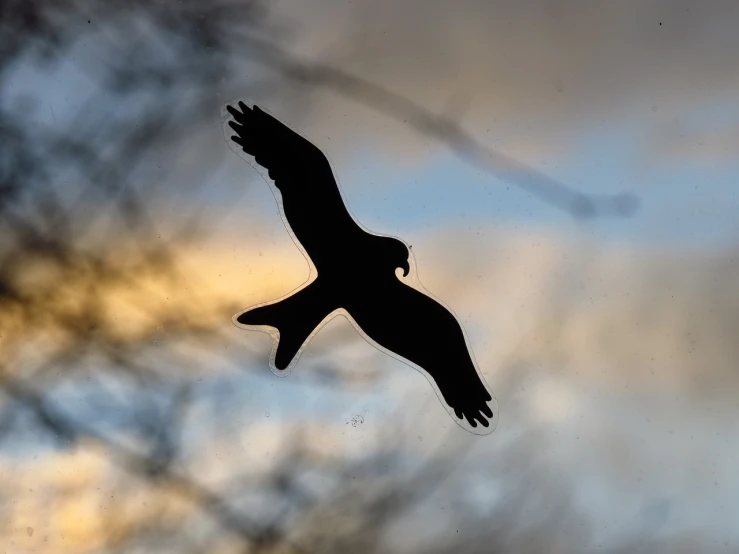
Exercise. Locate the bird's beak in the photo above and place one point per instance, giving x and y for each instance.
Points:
(406, 266)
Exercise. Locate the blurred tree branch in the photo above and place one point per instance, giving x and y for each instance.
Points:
(79, 231)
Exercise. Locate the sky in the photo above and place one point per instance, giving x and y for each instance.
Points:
(604, 97)
(610, 341)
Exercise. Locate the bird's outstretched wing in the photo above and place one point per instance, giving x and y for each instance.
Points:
(408, 323)
(311, 200)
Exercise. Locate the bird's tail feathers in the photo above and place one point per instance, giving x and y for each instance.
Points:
(295, 319)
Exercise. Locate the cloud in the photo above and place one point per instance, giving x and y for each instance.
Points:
(658, 319)
(526, 77)
(679, 143)
(608, 347)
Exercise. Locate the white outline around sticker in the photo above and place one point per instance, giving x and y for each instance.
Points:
(412, 279)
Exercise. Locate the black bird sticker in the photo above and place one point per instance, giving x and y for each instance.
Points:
(368, 278)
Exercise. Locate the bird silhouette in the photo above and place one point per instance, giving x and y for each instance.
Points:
(356, 276)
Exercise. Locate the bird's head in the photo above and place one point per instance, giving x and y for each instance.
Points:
(398, 255)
